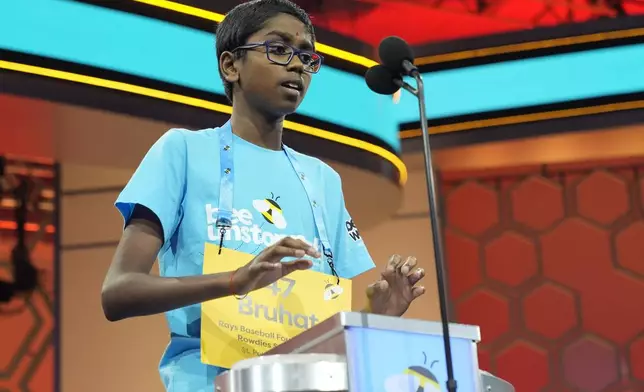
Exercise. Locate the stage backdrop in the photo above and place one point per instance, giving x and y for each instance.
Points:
(28, 334)
(549, 261)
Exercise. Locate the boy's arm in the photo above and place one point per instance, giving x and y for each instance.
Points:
(151, 205)
(129, 290)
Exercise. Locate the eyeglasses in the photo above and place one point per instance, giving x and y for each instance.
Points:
(282, 54)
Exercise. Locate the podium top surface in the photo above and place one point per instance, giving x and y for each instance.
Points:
(367, 320)
(337, 323)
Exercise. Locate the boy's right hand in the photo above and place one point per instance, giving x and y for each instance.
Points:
(267, 267)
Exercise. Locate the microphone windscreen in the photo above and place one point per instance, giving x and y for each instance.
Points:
(393, 51)
(381, 80)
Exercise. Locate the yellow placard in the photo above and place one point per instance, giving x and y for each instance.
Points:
(232, 329)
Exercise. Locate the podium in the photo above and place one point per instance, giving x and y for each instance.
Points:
(376, 354)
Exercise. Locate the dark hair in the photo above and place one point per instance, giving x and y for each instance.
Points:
(248, 18)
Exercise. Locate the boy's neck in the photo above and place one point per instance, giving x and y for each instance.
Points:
(255, 127)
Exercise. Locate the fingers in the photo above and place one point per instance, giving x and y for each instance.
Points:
(392, 263)
(417, 291)
(266, 266)
(278, 252)
(291, 242)
(290, 247)
(377, 286)
(371, 289)
(399, 265)
(271, 258)
(287, 266)
(407, 265)
(295, 265)
(416, 276)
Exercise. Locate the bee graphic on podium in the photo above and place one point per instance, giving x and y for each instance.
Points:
(271, 211)
(414, 379)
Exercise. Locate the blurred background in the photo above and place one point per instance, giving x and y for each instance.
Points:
(537, 117)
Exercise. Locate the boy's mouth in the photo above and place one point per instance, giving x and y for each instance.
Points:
(294, 84)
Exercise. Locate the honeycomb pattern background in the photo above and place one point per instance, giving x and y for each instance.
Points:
(549, 262)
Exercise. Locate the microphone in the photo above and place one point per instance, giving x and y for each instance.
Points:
(396, 55)
(397, 62)
(381, 80)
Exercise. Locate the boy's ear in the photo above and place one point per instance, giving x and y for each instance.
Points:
(228, 68)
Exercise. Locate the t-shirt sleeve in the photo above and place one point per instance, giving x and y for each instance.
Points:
(159, 182)
(352, 258)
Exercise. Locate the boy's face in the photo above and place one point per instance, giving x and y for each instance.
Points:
(273, 88)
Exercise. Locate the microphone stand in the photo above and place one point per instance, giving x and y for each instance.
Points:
(419, 92)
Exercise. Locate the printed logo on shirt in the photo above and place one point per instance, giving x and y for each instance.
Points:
(271, 211)
(245, 229)
(352, 230)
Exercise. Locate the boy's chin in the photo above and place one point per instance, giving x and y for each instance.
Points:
(286, 109)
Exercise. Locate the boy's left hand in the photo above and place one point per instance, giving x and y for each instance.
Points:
(393, 293)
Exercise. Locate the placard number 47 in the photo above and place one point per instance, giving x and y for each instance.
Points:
(276, 289)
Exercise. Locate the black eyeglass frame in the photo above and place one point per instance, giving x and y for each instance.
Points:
(295, 52)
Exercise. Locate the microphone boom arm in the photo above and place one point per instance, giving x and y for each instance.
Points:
(404, 85)
(397, 62)
(437, 236)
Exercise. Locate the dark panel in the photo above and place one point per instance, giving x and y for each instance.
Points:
(525, 130)
(537, 34)
(529, 112)
(541, 49)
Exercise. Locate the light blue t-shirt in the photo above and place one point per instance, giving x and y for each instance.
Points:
(178, 179)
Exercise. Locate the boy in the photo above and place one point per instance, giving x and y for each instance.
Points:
(238, 187)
